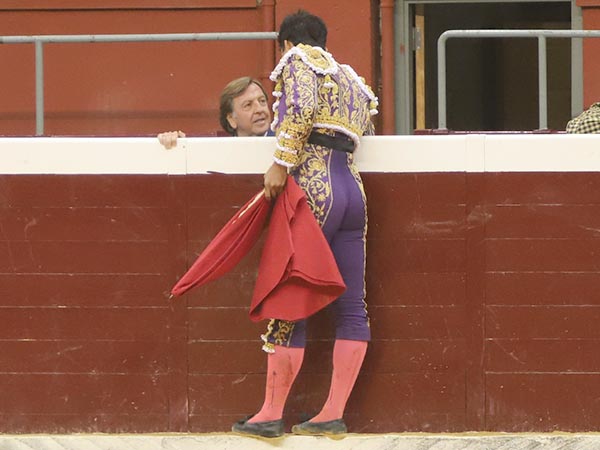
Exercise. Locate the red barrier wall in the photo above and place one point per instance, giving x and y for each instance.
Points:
(482, 289)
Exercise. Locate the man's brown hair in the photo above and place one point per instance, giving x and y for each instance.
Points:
(231, 91)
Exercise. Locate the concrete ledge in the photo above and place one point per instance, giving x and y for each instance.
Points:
(225, 441)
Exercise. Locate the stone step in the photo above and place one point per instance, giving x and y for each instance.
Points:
(228, 441)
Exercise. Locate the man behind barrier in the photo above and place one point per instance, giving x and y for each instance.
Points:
(586, 122)
(243, 111)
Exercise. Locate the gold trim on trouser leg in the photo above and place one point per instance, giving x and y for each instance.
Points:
(358, 178)
(282, 336)
(267, 346)
(313, 176)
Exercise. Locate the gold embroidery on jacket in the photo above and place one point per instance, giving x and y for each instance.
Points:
(318, 93)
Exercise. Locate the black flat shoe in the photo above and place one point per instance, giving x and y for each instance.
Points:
(333, 428)
(269, 429)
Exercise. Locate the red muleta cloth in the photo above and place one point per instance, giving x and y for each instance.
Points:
(298, 274)
(228, 247)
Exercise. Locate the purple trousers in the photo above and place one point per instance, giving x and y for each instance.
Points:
(335, 194)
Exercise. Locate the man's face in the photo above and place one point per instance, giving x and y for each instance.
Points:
(251, 115)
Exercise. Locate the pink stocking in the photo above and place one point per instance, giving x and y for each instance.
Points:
(348, 357)
(282, 367)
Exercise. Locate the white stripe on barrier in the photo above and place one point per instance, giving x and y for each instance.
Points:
(452, 153)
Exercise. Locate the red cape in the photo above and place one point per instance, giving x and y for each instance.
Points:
(298, 274)
(228, 247)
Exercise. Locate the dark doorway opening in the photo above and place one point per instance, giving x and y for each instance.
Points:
(492, 83)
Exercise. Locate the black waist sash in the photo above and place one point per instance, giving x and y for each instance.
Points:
(339, 142)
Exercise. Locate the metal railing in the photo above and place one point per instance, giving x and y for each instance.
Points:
(541, 36)
(39, 42)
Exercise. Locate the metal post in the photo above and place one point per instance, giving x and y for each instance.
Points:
(442, 82)
(39, 88)
(543, 83)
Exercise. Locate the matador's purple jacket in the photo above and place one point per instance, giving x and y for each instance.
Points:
(314, 92)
